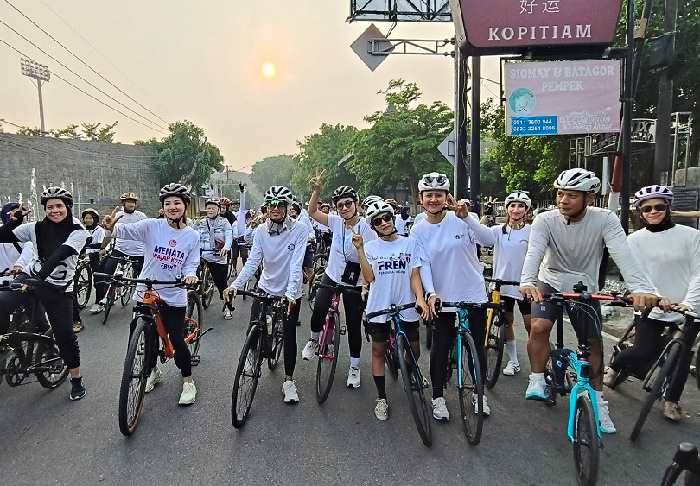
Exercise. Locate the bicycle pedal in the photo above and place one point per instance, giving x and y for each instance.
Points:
(343, 330)
(194, 360)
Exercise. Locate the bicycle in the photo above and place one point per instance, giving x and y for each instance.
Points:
(496, 325)
(319, 269)
(82, 280)
(148, 336)
(414, 384)
(265, 339)
(685, 459)
(118, 289)
(206, 281)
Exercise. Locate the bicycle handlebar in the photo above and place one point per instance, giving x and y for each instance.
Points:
(259, 295)
(499, 283)
(463, 305)
(147, 281)
(340, 288)
(394, 309)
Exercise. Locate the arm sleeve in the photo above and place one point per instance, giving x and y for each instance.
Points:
(616, 241)
(483, 233)
(539, 240)
(133, 231)
(240, 215)
(14, 232)
(692, 297)
(295, 270)
(254, 259)
(189, 267)
(61, 253)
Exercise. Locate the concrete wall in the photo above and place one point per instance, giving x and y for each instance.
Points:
(91, 170)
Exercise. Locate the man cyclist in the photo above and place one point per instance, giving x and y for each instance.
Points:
(239, 229)
(566, 246)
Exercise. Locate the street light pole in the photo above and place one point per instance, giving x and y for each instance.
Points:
(627, 121)
(41, 107)
(33, 69)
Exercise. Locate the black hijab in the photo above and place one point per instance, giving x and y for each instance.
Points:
(50, 236)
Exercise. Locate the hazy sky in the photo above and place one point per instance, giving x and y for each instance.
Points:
(201, 61)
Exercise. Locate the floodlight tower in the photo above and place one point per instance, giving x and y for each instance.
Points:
(33, 69)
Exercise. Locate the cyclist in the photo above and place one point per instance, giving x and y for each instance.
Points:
(215, 238)
(508, 258)
(225, 205)
(239, 227)
(566, 246)
(171, 252)
(448, 240)
(669, 254)
(279, 244)
(302, 215)
(391, 265)
(132, 250)
(323, 232)
(13, 256)
(91, 221)
(57, 240)
(343, 270)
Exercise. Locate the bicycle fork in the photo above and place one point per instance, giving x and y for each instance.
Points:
(582, 387)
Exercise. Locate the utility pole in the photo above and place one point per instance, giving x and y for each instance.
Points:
(33, 69)
(475, 158)
(662, 148)
(460, 172)
(627, 121)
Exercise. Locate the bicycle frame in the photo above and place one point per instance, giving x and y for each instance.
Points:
(580, 365)
(335, 304)
(462, 327)
(151, 300)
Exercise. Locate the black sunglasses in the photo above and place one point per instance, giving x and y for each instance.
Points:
(435, 181)
(383, 218)
(655, 207)
(342, 205)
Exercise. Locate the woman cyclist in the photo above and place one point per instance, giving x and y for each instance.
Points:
(343, 270)
(57, 241)
(90, 218)
(508, 258)
(171, 252)
(391, 264)
(448, 240)
(669, 255)
(279, 244)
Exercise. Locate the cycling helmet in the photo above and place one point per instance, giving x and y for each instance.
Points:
(434, 182)
(343, 192)
(214, 201)
(92, 211)
(56, 192)
(175, 189)
(6, 210)
(519, 196)
(278, 193)
(578, 180)
(224, 202)
(370, 200)
(128, 196)
(377, 208)
(296, 204)
(653, 192)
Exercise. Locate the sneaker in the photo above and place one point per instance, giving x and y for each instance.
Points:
(310, 350)
(153, 379)
(440, 411)
(353, 378)
(484, 406)
(381, 409)
(289, 388)
(610, 377)
(511, 369)
(227, 314)
(189, 393)
(606, 424)
(96, 308)
(77, 390)
(536, 389)
(77, 327)
(672, 411)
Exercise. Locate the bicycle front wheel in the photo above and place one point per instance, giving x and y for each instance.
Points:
(193, 325)
(390, 357)
(663, 375)
(246, 381)
(110, 300)
(415, 390)
(277, 338)
(128, 289)
(495, 344)
(82, 285)
(329, 342)
(471, 390)
(134, 375)
(586, 443)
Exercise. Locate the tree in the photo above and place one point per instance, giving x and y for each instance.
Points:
(93, 132)
(273, 171)
(402, 142)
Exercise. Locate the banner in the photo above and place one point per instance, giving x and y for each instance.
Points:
(562, 97)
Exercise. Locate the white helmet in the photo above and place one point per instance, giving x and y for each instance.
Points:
(370, 200)
(434, 182)
(279, 193)
(578, 180)
(519, 196)
(377, 208)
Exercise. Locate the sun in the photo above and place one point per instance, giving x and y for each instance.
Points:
(269, 70)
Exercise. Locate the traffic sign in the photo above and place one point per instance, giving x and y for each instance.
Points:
(448, 147)
(362, 47)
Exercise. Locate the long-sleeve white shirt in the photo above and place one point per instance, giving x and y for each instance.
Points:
(509, 255)
(124, 245)
(10, 257)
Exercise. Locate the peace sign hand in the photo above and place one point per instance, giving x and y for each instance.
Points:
(315, 181)
(459, 207)
(110, 220)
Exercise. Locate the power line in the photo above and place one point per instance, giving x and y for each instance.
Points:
(23, 146)
(82, 61)
(81, 90)
(85, 80)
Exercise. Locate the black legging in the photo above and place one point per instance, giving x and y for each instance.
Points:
(444, 334)
(174, 322)
(354, 306)
(11, 300)
(290, 334)
(109, 266)
(647, 348)
(219, 273)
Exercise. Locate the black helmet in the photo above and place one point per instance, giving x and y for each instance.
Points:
(56, 192)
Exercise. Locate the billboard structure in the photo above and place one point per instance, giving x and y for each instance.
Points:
(400, 10)
(562, 97)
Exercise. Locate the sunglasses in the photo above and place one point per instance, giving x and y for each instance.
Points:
(275, 203)
(384, 218)
(343, 205)
(654, 207)
(435, 181)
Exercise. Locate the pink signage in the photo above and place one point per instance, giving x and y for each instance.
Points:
(526, 23)
(562, 97)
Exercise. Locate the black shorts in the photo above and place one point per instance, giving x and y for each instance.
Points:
(509, 304)
(308, 257)
(380, 331)
(586, 319)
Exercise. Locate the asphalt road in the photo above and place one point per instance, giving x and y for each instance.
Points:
(46, 439)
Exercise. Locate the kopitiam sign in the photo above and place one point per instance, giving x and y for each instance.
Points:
(493, 26)
(562, 97)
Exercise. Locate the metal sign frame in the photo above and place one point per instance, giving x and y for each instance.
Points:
(400, 11)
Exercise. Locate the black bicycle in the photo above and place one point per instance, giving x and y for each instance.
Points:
(496, 326)
(82, 281)
(685, 460)
(118, 289)
(264, 340)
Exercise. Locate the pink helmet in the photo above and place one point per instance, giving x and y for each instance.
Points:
(653, 192)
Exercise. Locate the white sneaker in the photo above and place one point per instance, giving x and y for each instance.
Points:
(227, 314)
(606, 424)
(536, 389)
(189, 393)
(440, 411)
(289, 388)
(153, 379)
(353, 378)
(310, 350)
(484, 406)
(511, 369)
(381, 409)
(96, 308)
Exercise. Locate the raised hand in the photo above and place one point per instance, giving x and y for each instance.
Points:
(315, 181)
(357, 240)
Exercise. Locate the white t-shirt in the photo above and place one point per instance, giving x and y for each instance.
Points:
(392, 263)
(10, 257)
(342, 250)
(129, 247)
(97, 235)
(450, 247)
(169, 254)
(400, 225)
(509, 256)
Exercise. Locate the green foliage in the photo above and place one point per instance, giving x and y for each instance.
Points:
(29, 132)
(273, 171)
(92, 132)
